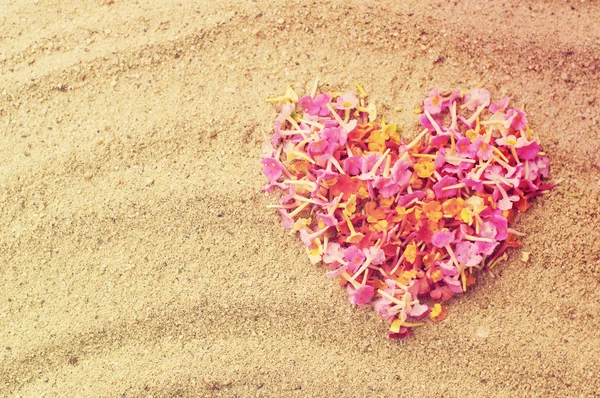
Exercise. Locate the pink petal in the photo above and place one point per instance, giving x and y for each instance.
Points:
(336, 272)
(442, 238)
(362, 295)
(419, 311)
(529, 152)
(272, 169)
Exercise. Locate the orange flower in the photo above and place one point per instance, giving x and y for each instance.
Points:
(453, 207)
(374, 213)
(471, 280)
(298, 166)
(437, 275)
(391, 132)
(429, 259)
(376, 141)
(522, 205)
(346, 185)
(433, 211)
(438, 312)
(386, 203)
(360, 132)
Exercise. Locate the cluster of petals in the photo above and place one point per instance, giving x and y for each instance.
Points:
(404, 224)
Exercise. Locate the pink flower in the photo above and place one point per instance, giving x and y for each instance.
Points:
(334, 273)
(404, 199)
(387, 186)
(527, 150)
(500, 224)
(354, 257)
(499, 106)
(286, 110)
(446, 181)
(272, 169)
(333, 253)
(476, 98)
(487, 230)
(433, 103)
(353, 165)
(319, 150)
(465, 148)
(543, 165)
(425, 122)
(448, 268)
(399, 177)
(328, 220)
(316, 106)
(347, 101)
(506, 202)
(509, 140)
(472, 181)
(440, 159)
(400, 172)
(362, 295)
(453, 284)
(308, 238)
(326, 178)
(382, 307)
(484, 150)
(288, 222)
(442, 238)
(467, 253)
(419, 311)
(518, 119)
(336, 136)
(440, 140)
(374, 255)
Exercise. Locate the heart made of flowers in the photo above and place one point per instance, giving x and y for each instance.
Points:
(404, 225)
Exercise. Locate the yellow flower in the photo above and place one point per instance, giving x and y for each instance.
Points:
(300, 223)
(350, 205)
(379, 226)
(471, 134)
(437, 275)
(402, 211)
(315, 251)
(376, 141)
(476, 204)
(410, 253)
(465, 216)
(395, 327)
(391, 133)
(424, 167)
(371, 110)
(386, 202)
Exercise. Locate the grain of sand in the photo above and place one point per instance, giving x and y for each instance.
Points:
(137, 256)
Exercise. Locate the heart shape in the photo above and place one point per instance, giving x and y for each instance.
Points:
(404, 225)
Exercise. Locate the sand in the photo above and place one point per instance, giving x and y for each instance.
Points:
(137, 255)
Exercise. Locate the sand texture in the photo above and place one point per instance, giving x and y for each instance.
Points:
(137, 255)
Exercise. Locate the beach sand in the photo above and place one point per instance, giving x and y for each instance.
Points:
(137, 255)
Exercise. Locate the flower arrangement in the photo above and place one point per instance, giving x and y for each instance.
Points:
(405, 225)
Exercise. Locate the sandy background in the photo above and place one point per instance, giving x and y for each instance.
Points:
(137, 257)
